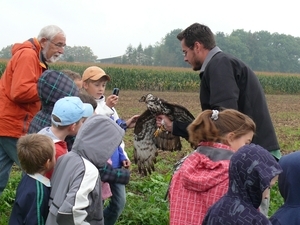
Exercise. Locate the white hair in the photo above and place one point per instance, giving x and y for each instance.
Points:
(49, 32)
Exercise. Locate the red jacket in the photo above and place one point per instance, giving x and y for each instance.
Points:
(61, 149)
(201, 180)
(19, 100)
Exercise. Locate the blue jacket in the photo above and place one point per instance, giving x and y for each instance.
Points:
(289, 183)
(118, 156)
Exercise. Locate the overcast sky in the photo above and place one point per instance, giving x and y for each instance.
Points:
(109, 26)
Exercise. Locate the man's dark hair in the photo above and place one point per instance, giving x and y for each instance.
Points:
(197, 33)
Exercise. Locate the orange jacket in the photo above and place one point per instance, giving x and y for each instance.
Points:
(19, 100)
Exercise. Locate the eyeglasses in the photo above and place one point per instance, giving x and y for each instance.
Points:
(59, 45)
(184, 52)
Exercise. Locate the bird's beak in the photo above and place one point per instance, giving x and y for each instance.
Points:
(142, 99)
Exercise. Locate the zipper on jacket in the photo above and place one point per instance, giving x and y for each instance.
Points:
(25, 123)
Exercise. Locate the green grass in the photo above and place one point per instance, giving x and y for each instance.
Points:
(276, 199)
(292, 135)
(146, 202)
(8, 196)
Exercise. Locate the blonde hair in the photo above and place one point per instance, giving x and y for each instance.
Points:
(34, 150)
(204, 128)
(72, 74)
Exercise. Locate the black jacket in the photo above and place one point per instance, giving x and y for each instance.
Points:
(229, 83)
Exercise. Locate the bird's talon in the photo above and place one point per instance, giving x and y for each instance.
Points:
(157, 132)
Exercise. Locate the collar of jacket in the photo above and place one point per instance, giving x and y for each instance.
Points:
(211, 53)
(215, 154)
(36, 45)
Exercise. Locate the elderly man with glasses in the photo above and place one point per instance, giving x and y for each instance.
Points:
(19, 100)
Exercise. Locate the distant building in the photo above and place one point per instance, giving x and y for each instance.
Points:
(110, 60)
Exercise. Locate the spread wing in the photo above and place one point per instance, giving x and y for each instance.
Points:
(145, 150)
(146, 145)
(179, 113)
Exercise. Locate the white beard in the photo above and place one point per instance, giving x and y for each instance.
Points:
(53, 58)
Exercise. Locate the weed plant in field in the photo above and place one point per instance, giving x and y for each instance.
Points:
(276, 199)
(8, 196)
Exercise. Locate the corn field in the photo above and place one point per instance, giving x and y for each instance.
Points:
(144, 78)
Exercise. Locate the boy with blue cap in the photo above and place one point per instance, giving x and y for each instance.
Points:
(67, 117)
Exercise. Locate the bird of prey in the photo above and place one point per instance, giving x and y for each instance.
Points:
(148, 138)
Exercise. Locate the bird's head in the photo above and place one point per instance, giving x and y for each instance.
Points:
(146, 98)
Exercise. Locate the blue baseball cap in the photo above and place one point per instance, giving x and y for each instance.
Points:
(70, 110)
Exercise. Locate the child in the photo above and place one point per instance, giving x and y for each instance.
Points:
(121, 174)
(85, 98)
(67, 117)
(52, 85)
(252, 172)
(74, 76)
(36, 153)
(202, 178)
(75, 190)
(288, 184)
(94, 83)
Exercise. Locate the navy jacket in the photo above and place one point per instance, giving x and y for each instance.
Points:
(289, 183)
(31, 203)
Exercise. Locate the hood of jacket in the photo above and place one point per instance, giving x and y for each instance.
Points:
(289, 180)
(97, 139)
(251, 170)
(205, 168)
(52, 85)
(31, 43)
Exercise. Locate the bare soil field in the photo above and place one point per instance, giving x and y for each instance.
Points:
(284, 109)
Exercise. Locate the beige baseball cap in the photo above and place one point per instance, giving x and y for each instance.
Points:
(94, 73)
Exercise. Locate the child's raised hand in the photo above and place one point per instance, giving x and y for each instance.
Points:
(112, 100)
(131, 122)
(126, 163)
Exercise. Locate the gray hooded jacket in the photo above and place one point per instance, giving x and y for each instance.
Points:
(76, 185)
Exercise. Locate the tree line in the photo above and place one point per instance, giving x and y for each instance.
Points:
(262, 51)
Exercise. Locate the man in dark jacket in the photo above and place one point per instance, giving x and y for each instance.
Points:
(226, 82)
